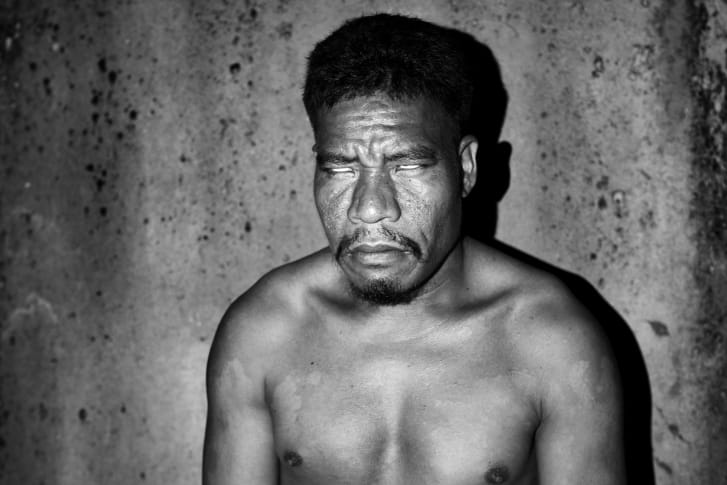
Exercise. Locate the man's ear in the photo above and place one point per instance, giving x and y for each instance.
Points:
(468, 160)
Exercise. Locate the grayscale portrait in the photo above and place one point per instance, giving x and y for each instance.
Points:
(290, 243)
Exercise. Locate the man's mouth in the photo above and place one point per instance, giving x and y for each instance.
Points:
(377, 247)
(387, 247)
(377, 254)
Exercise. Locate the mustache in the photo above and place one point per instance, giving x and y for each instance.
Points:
(382, 235)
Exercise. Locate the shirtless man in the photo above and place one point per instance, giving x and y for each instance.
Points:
(406, 353)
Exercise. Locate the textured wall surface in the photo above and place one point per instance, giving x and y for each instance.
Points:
(156, 161)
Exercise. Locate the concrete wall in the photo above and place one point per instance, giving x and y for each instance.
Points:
(156, 161)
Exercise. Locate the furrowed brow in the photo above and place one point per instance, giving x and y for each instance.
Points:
(328, 158)
(418, 152)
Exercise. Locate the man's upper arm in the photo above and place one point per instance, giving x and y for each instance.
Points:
(238, 445)
(580, 438)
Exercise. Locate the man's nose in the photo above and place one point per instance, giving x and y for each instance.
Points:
(374, 199)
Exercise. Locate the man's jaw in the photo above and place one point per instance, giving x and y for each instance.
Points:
(383, 292)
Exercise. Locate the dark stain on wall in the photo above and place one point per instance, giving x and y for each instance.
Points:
(708, 79)
(68, 153)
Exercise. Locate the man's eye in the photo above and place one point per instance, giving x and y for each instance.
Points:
(408, 166)
(339, 170)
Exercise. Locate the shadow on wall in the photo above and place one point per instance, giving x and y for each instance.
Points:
(480, 222)
(489, 103)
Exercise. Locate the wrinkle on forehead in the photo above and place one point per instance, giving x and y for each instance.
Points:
(385, 114)
(369, 130)
(381, 103)
(375, 123)
(363, 108)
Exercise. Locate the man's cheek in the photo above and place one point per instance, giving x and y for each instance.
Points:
(333, 221)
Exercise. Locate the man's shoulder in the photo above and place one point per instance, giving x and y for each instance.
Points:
(558, 340)
(285, 288)
(555, 327)
(547, 325)
(266, 317)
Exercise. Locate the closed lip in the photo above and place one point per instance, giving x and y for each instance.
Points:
(377, 247)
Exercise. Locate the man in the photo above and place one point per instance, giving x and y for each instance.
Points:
(406, 353)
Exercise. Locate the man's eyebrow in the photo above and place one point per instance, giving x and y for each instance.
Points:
(329, 158)
(416, 152)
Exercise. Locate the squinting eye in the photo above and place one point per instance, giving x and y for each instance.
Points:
(408, 166)
(339, 170)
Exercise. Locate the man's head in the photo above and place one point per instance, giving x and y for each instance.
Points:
(390, 100)
(402, 57)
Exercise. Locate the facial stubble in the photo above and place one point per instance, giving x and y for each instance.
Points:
(382, 291)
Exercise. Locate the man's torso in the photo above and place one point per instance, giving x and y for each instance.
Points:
(452, 404)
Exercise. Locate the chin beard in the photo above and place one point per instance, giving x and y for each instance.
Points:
(384, 292)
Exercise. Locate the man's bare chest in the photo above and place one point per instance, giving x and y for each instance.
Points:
(382, 416)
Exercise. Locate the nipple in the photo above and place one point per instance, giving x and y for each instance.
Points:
(498, 474)
(293, 459)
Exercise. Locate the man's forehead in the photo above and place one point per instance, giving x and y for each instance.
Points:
(370, 112)
(378, 122)
(374, 138)
(374, 105)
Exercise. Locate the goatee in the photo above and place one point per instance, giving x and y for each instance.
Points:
(384, 292)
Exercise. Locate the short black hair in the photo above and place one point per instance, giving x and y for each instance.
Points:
(406, 58)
